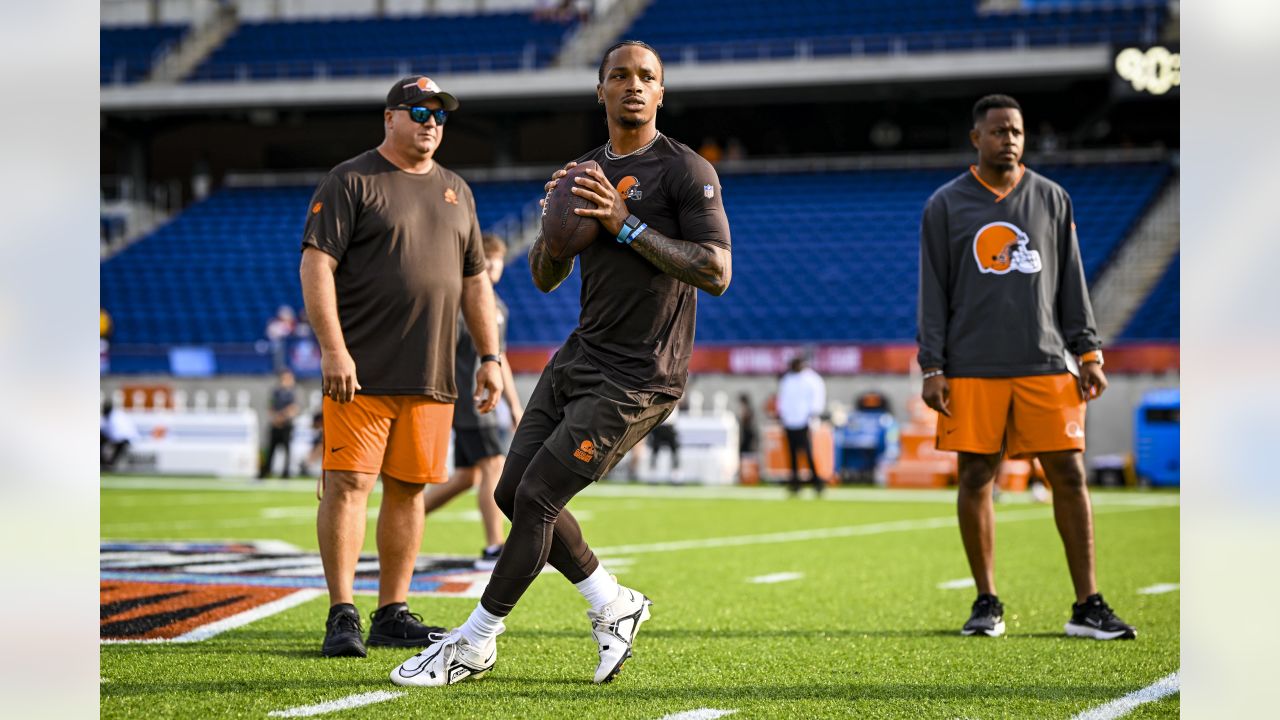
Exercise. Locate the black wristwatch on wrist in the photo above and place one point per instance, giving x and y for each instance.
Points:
(491, 358)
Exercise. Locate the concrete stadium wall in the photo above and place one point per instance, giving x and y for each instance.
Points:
(1110, 424)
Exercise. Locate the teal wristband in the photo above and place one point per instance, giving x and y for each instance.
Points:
(630, 227)
(636, 233)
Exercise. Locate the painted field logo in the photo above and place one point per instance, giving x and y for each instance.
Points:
(186, 592)
(586, 452)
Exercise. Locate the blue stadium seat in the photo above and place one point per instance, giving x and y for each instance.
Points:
(745, 31)
(216, 272)
(1158, 317)
(445, 44)
(126, 53)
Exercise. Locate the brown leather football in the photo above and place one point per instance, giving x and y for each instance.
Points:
(565, 232)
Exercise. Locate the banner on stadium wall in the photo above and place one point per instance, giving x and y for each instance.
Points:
(773, 360)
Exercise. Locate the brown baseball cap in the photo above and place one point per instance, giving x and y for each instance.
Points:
(413, 90)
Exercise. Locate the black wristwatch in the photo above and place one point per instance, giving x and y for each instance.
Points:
(491, 358)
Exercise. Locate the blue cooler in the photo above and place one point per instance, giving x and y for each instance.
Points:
(1156, 438)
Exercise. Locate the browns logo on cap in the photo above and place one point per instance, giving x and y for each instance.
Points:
(414, 90)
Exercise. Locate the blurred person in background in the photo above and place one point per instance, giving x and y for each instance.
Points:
(316, 455)
(391, 250)
(748, 429)
(281, 410)
(802, 396)
(279, 328)
(664, 436)
(478, 449)
(116, 432)
(1003, 237)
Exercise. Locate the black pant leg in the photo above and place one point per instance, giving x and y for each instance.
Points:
(541, 493)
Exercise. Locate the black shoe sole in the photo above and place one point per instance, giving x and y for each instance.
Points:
(347, 649)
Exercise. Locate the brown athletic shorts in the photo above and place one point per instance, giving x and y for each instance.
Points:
(586, 421)
(1023, 415)
(403, 436)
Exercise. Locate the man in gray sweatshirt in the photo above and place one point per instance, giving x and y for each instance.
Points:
(1010, 353)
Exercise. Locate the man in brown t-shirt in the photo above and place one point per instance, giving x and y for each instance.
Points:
(390, 250)
(663, 236)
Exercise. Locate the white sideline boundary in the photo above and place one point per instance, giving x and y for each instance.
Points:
(1122, 706)
(346, 703)
(229, 623)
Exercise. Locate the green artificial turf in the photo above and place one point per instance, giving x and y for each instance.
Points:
(864, 632)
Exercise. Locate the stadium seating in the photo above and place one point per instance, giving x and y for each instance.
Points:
(1158, 317)
(384, 46)
(833, 259)
(747, 31)
(126, 53)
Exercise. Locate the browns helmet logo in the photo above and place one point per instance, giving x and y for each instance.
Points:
(629, 186)
(586, 452)
(1001, 247)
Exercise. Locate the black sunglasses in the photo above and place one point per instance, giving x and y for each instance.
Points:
(422, 114)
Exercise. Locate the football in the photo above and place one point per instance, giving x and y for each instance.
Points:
(565, 232)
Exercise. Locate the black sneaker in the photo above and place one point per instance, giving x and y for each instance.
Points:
(987, 618)
(394, 626)
(342, 632)
(1093, 618)
(489, 557)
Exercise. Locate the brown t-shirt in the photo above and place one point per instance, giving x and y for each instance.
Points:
(403, 244)
(637, 322)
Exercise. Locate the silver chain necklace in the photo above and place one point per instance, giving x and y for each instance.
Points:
(609, 153)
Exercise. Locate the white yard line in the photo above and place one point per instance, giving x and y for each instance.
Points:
(699, 714)
(957, 584)
(775, 578)
(1119, 707)
(205, 632)
(1159, 589)
(346, 703)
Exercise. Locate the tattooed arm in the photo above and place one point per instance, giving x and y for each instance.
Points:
(706, 267)
(547, 273)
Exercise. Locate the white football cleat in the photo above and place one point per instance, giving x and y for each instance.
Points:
(449, 661)
(615, 628)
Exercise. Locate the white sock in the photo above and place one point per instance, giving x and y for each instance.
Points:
(600, 588)
(481, 627)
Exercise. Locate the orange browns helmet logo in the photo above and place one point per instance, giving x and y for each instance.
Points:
(450, 196)
(1001, 247)
(316, 208)
(425, 84)
(629, 186)
(586, 452)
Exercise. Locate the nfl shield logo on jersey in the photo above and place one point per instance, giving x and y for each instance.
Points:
(708, 191)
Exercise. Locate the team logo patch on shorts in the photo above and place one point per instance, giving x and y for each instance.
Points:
(191, 591)
(586, 452)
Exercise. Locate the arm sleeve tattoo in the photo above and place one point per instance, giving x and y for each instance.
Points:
(706, 267)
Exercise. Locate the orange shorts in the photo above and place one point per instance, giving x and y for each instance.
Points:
(403, 436)
(1023, 416)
